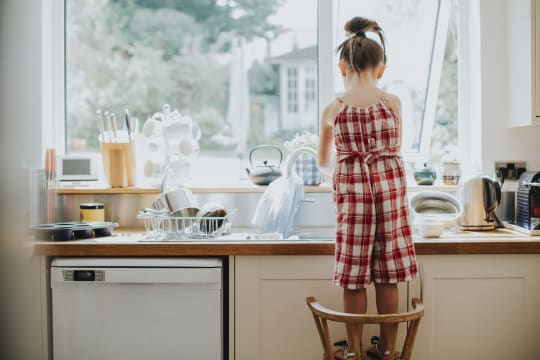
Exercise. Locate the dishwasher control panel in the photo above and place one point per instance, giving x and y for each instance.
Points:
(83, 275)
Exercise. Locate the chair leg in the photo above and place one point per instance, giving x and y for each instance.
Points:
(406, 352)
(324, 334)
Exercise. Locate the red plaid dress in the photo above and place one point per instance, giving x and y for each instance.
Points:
(373, 241)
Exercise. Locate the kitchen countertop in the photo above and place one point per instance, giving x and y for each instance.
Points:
(126, 242)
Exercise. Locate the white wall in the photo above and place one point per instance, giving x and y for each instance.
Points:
(20, 144)
(499, 142)
(21, 78)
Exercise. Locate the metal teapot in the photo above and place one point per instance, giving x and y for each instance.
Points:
(265, 171)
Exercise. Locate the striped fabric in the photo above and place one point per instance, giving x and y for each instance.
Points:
(306, 167)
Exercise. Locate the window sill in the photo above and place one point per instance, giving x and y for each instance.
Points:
(436, 187)
(241, 187)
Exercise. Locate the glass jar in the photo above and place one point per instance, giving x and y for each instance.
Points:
(451, 172)
(92, 212)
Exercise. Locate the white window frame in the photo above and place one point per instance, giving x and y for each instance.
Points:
(310, 86)
(292, 91)
(53, 81)
(53, 102)
(433, 85)
(328, 63)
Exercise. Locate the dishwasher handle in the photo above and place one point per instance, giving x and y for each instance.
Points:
(98, 276)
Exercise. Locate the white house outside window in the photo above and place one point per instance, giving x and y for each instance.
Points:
(292, 90)
(310, 83)
(142, 54)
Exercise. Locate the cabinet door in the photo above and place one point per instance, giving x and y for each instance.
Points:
(272, 320)
(479, 307)
(537, 58)
(520, 62)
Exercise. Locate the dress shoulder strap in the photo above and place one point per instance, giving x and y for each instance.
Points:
(339, 100)
(384, 99)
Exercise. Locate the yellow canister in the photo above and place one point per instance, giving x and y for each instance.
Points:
(92, 212)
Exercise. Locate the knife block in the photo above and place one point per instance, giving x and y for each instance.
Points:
(119, 163)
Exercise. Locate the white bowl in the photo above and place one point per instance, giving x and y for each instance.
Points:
(435, 207)
(431, 229)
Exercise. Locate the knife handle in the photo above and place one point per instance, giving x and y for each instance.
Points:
(113, 127)
(100, 125)
(107, 124)
(128, 124)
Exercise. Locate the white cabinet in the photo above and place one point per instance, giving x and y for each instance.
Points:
(523, 62)
(479, 307)
(271, 318)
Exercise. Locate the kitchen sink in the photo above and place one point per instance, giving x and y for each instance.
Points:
(316, 235)
(253, 237)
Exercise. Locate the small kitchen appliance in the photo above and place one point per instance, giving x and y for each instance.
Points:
(528, 201)
(508, 175)
(78, 167)
(480, 195)
(137, 308)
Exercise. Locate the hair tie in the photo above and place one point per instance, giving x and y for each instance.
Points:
(356, 34)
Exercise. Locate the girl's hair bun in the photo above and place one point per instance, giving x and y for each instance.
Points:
(359, 51)
(361, 25)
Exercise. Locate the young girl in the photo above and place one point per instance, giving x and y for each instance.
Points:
(373, 242)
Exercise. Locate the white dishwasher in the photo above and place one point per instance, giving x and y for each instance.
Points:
(137, 308)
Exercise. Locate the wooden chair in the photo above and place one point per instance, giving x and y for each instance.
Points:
(353, 321)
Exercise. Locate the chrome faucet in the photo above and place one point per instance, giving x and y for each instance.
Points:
(296, 153)
(293, 157)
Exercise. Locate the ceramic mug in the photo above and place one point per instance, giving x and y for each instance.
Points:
(188, 146)
(153, 168)
(160, 203)
(180, 198)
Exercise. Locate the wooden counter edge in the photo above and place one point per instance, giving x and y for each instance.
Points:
(184, 249)
(269, 248)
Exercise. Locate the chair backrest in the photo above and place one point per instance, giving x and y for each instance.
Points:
(353, 322)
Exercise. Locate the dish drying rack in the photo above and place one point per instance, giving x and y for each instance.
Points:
(161, 226)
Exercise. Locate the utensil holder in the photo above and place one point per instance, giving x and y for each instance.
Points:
(119, 163)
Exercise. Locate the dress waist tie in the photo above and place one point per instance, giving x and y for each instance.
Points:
(368, 156)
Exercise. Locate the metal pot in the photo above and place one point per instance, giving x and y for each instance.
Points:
(266, 168)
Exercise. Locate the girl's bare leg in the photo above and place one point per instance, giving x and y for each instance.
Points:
(354, 301)
(387, 303)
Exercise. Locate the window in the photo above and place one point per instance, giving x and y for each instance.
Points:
(444, 138)
(416, 34)
(220, 62)
(292, 90)
(310, 90)
(251, 72)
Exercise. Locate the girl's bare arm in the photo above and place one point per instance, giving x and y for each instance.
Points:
(326, 138)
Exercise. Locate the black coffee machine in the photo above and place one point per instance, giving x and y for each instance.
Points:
(508, 175)
(528, 201)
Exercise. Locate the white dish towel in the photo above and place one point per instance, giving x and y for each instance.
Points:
(277, 207)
